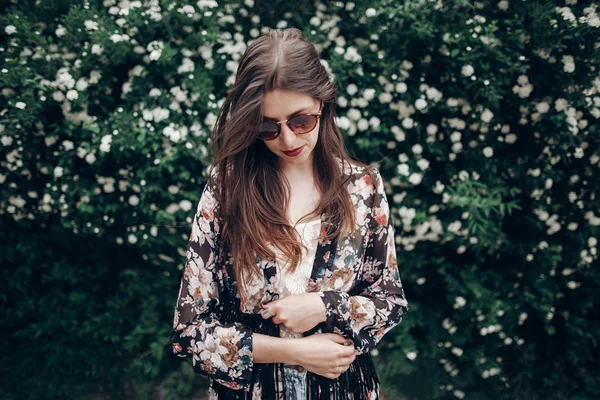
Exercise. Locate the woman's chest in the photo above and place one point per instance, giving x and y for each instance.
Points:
(327, 265)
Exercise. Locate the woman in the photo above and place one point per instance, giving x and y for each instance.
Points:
(291, 275)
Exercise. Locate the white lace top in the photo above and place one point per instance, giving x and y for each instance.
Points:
(295, 283)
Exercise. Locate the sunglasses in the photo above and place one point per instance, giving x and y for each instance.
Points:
(299, 123)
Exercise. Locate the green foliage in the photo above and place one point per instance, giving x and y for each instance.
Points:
(481, 115)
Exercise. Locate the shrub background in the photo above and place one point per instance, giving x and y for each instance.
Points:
(482, 116)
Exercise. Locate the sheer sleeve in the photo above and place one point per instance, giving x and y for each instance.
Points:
(367, 317)
(218, 351)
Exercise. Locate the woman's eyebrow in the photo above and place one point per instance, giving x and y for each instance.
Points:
(294, 113)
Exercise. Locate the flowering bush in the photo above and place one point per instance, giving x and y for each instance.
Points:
(483, 116)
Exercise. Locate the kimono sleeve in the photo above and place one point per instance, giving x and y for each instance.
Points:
(367, 317)
(218, 351)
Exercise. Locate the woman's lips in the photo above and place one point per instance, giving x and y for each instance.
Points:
(294, 152)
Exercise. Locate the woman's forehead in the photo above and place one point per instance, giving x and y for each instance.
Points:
(281, 104)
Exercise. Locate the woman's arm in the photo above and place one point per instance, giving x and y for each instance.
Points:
(218, 350)
(270, 349)
(367, 317)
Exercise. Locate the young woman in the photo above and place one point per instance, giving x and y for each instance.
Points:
(291, 275)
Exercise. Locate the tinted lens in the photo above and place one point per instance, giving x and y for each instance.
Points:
(268, 130)
(303, 123)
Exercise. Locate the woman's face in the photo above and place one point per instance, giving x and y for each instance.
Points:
(280, 105)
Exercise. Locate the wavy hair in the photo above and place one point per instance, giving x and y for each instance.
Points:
(253, 193)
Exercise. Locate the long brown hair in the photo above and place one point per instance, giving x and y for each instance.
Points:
(253, 193)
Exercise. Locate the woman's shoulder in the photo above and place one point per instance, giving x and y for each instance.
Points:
(359, 171)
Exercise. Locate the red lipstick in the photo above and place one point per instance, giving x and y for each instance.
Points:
(295, 152)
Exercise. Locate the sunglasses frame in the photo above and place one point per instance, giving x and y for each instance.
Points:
(317, 114)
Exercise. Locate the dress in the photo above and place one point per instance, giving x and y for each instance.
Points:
(296, 283)
(356, 275)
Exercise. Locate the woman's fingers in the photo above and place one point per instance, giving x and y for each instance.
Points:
(337, 338)
(347, 360)
(267, 313)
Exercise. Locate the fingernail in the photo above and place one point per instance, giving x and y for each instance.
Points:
(348, 342)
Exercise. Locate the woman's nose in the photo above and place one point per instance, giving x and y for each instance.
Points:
(288, 137)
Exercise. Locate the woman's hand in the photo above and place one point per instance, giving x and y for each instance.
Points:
(325, 354)
(298, 313)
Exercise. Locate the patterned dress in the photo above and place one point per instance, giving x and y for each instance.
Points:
(357, 278)
(296, 282)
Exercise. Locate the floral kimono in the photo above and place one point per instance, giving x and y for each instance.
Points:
(356, 275)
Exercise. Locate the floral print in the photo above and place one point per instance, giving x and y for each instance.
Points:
(356, 276)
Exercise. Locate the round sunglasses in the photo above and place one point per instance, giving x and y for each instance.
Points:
(299, 123)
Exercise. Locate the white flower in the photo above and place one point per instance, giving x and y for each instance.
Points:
(420, 104)
(415, 178)
(503, 5)
(72, 94)
(542, 107)
(134, 200)
(403, 170)
(352, 54)
(160, 114)
(97, 49)
(58, 95)
(20, 105)
(487, 115)
(510, 138)
(368, 94)
(374, 122)
(371, 12)
(343, 122)
(362, 124)
(417, 149)
(354, 114)
(351, 89)
(459, 302)
(10, 29)
(6, 140)
(91, 25)
(467, 70)
(213, 4)
(68, 145)
(455, 136)
(90, 158)
(116, 38)
(401, 87)
(385, 98)
(81, 84)
(407, 123)
(454, 227)
(155, 48)
(58, 172)
(185, 205)
(398, 133)
(60, 31)
(569, 64)
(105, 143)
(457, 351)
(432, 129)
(488, 151)
(423, 164)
